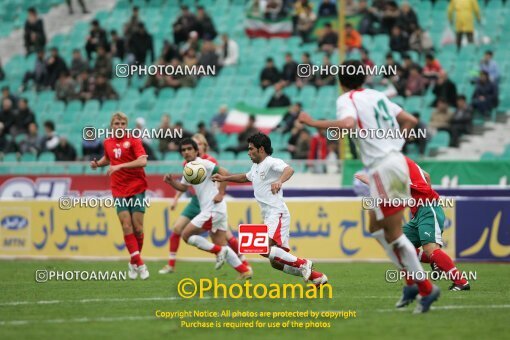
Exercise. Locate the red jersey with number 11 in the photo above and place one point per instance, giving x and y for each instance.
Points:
(125, 182)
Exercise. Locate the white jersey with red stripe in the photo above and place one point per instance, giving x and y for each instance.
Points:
(372, 110)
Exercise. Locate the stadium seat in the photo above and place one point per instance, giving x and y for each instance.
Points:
(46, 157)
(28, 157)
(10, 157)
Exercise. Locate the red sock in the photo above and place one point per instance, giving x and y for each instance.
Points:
(174, 240)
(424, 287)
(241, 268)
(315, 275)
(246, 263)
(139, 240)
(232, 243)
(295, 264)
(132, 246)
(216, 249)
(422, 256)
(445, 263)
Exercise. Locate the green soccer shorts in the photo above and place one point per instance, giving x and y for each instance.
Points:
(192, 209)
(131, 203)
(426, 226)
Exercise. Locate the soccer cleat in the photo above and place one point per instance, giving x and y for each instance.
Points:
(408, 295)
(321, 280)
(167, 269)
(457, 287)
(221, 257)
(306, 270)
(143, 271)
(246, 275)
(424, 302)
(132, 272)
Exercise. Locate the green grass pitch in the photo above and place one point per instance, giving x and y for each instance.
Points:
(126, 309)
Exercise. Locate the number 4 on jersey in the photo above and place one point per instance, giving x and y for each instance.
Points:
(385, 116)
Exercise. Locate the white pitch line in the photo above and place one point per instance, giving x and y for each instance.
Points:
(49, 302)
(447, 308)
(76, 320)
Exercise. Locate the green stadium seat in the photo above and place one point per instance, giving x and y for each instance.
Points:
(489, 156)
(28, 157)
(46, 157)
(10, 157)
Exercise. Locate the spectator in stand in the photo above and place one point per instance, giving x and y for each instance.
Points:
(65, 88)
(170, 51)
(193, 42)
(164, 126)
(210, 138)
(287, 122)
(485, 96)
(351, 7)
(228, 51)
(2, 72)
(445, 88)
(488, 65)
(419, 140)
(141, 44)
(82, 5)
(289, 72)
(461, 121)
(432, 68)
(6, 144)
(33, 142)
(174, 142)
(205, 25)
(399, 41)
(64, 152)
(7, 114)
(415, 83)
(305, 23)
(328, 41)
(299, 141)
(39, 75)
(279, 99)
(242, 138)
(103, 65)
(146, 141)
(390, 62)
(132, 25)
(407, 18)
(92, 149)
(365, 59)
(273, 9)
(78, 64)
(420, 40)
(183, 25)
(325, 79)
(305, 79)
(34, 35)
(55, 66)
(103, 90)
(464, 11)
(369, 17)
(269, 74)
(327, 8)
(318, 151)
(208, 57)
(190, 57)
(389, 16)
(51, 140)
(441, 116)
(352, 38)
(97, 37)
(117, 45)
(158, 80)
(6, 93)
(219, 119)
(85, 86)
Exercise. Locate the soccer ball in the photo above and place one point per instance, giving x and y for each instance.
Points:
(194, 172)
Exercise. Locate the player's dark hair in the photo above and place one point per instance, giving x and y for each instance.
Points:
(188, 141)
(349, 79)
(261, 140)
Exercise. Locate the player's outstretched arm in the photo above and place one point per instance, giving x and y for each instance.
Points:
(168, 179)
(406, 121)
(94, 164)
(178, 195)
(236, 178)
(140, 162)
(222, 187)
(346, 123)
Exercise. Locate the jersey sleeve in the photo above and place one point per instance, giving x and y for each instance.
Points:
(105, 150)
(138, 148)
(393, 108)
(345, 108)
(249, 174)
(278, 165)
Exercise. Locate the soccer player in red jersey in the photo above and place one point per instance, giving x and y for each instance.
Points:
(192, 210)
(127, 158)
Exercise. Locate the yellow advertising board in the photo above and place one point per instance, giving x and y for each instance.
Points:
(322, 229)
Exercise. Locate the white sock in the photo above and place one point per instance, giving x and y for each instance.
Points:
(280, 255)
(200, 243)
(379, 236)
(291, 270)
(232, 258)
(408, 256)
(241, 257)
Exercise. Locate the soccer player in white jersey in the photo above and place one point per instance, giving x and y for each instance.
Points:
(358, 108)
(267, 175)
(213, 212)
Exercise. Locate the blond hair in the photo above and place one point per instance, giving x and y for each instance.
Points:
(118, 115)
(202, 140)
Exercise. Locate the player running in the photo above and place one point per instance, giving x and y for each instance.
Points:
(127, 158)
(388, 173)
(192, 210)
(424, 230)
(267, 175)
(212, 217)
